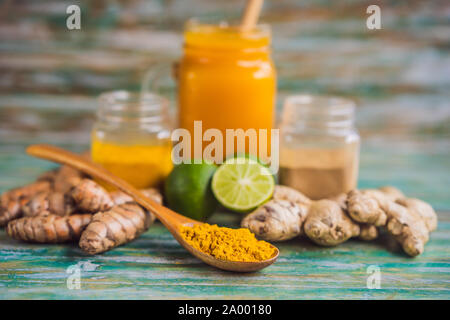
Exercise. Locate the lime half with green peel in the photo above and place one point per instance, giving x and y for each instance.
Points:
(242, 184)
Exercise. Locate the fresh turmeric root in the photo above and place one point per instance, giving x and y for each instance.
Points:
(67, 178)
(117, 226)
(49, 228)
(59, 206)
(14, 201)
(121, 224)
(46, 203)
(120, 197)
(85, 197)
(11, 202)
(90, 197)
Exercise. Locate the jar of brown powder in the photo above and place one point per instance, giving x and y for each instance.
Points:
(319, 145)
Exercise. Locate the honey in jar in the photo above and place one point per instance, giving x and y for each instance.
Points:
(131, 137)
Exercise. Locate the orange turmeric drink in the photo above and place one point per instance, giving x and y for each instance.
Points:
(226, 79)
(131, 137)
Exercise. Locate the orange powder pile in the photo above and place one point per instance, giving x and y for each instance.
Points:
(227, 244)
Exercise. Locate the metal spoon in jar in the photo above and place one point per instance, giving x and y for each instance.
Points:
(171, 220)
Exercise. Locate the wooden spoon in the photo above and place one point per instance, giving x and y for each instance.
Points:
(171, 220)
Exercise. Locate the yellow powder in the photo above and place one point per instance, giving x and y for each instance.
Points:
(227, 244)
(143, 166)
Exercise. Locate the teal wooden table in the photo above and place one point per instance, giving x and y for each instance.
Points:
(399, 75)
(156, 267)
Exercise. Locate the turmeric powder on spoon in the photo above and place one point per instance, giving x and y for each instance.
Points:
(227, 244)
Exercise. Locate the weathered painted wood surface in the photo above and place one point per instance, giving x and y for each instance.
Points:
(400, 76)
(156, 267)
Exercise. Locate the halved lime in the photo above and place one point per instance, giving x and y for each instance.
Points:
(242, 184)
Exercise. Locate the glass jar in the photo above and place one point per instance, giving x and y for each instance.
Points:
(319, 145)
(226, 79)
(131, 137)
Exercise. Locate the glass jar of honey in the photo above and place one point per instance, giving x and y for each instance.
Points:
(319, 145)
(226, 79)
(131, 137)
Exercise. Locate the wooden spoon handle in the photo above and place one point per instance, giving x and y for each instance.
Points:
(168, 217)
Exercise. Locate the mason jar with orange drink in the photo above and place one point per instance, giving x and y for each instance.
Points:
(227, 80)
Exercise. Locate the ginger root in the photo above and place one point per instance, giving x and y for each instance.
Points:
(392, 193)
(290, 213)
(330, 222)
(328, 225)
(49, 228)
(119, 225)
(421, 208)
(367, 206)
(409, 220)
(289, 194)
(276, 220)
(368, 232)
(408, 228)
(281, 218)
